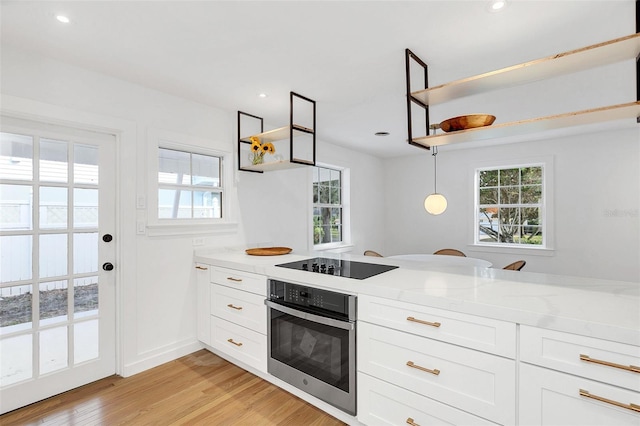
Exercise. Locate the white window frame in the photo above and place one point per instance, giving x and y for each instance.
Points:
(547, 248)
(345, 177)
(186, 226)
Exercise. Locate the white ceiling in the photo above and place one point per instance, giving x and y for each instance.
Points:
(346, 55)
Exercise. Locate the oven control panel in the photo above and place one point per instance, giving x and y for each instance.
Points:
(303, 296)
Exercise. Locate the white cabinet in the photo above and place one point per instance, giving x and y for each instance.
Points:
(577, 380)
(551, 398)
(204, 314)
(238, 316)
(380, 403)
(393, 349)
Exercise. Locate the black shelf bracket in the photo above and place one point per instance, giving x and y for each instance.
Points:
(293, 126)
(410, 56)
(241, 141)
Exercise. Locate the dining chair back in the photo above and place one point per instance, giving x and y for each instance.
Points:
(372, 253)
(515, 266)
(450, 252)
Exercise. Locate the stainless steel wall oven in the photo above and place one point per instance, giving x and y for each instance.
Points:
(312, 341)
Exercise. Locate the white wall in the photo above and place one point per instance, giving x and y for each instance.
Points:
(596, 203)
(157, 285)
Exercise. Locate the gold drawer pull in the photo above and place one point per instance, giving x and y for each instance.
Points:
(234, 343)
(632, 407)
(432, 324)
(426, 370)
(411, 422)
(632, 368)
(201, 268)
(237, 308)
(238, 280)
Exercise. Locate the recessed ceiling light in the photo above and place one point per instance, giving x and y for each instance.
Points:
(63, 19)
(496, 5)
(262, 95)
(382, 133)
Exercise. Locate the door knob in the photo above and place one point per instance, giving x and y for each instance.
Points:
(107, 238)
(107, 266)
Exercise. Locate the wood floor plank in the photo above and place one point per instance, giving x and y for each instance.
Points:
(198, 389)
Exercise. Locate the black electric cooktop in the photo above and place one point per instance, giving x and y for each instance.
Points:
(337, 267)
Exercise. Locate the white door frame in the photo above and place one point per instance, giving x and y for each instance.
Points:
(125, 132)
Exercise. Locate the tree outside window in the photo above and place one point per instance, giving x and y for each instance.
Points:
(327, 205)
(510, 204)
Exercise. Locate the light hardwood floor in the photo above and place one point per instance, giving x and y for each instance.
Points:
(198, 389)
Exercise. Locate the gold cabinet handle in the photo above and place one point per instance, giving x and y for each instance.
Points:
(632, 407)
(426, 370)
(432, 324)
(234, 343)
(238, 280)
(632, 368)
(411, 422)
(237, 308)
(202, 268)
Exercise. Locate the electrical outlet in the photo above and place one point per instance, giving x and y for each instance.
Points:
(198, 241)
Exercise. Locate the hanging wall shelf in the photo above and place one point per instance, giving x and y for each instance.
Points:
(564, 63)
(301, 146)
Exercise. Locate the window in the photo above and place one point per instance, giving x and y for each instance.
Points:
(189, 185)
(510, 206)
(328, 214)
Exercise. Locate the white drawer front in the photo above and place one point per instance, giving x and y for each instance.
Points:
(240, 307)
(473, 381)
(246, 281)
(563, 351)
(380, 403)
(550, 398)
(485, 334)
(241, 343)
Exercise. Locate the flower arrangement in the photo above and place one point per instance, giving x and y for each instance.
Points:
(258, 150)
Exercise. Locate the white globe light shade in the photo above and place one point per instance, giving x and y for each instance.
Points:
(435, 204)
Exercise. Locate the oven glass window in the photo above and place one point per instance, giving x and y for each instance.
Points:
(318, 350)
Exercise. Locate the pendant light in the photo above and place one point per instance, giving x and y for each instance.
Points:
(435, 203)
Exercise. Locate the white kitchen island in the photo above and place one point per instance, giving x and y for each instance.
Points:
(512, 347)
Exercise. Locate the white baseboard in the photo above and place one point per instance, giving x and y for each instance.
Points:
(160, 356)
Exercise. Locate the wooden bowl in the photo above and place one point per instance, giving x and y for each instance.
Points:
(467, 122)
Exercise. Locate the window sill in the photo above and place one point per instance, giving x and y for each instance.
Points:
(335, 248)
(190, 229)
(529, 251)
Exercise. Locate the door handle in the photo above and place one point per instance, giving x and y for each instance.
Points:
(107, 266)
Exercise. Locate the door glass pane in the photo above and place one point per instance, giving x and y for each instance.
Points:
(15, 309)
(85, 252)
(15, 258)
(16, 156)
(85, 296)
(85, 335)
(53, 349)
(53, 255)
(53, 160)
(16, 362)
(85, 208)
(15, 207)
(85, 164)
(53, 302)
(53, 208)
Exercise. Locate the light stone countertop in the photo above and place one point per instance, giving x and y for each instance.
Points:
(598, 308)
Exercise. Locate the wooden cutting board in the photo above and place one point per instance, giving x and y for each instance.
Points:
(268, 251)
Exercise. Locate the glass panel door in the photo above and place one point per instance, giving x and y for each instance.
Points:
(57, 321)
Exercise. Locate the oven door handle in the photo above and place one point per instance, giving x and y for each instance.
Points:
(345, 325)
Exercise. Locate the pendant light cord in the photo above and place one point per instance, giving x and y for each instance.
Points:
(435, 169)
